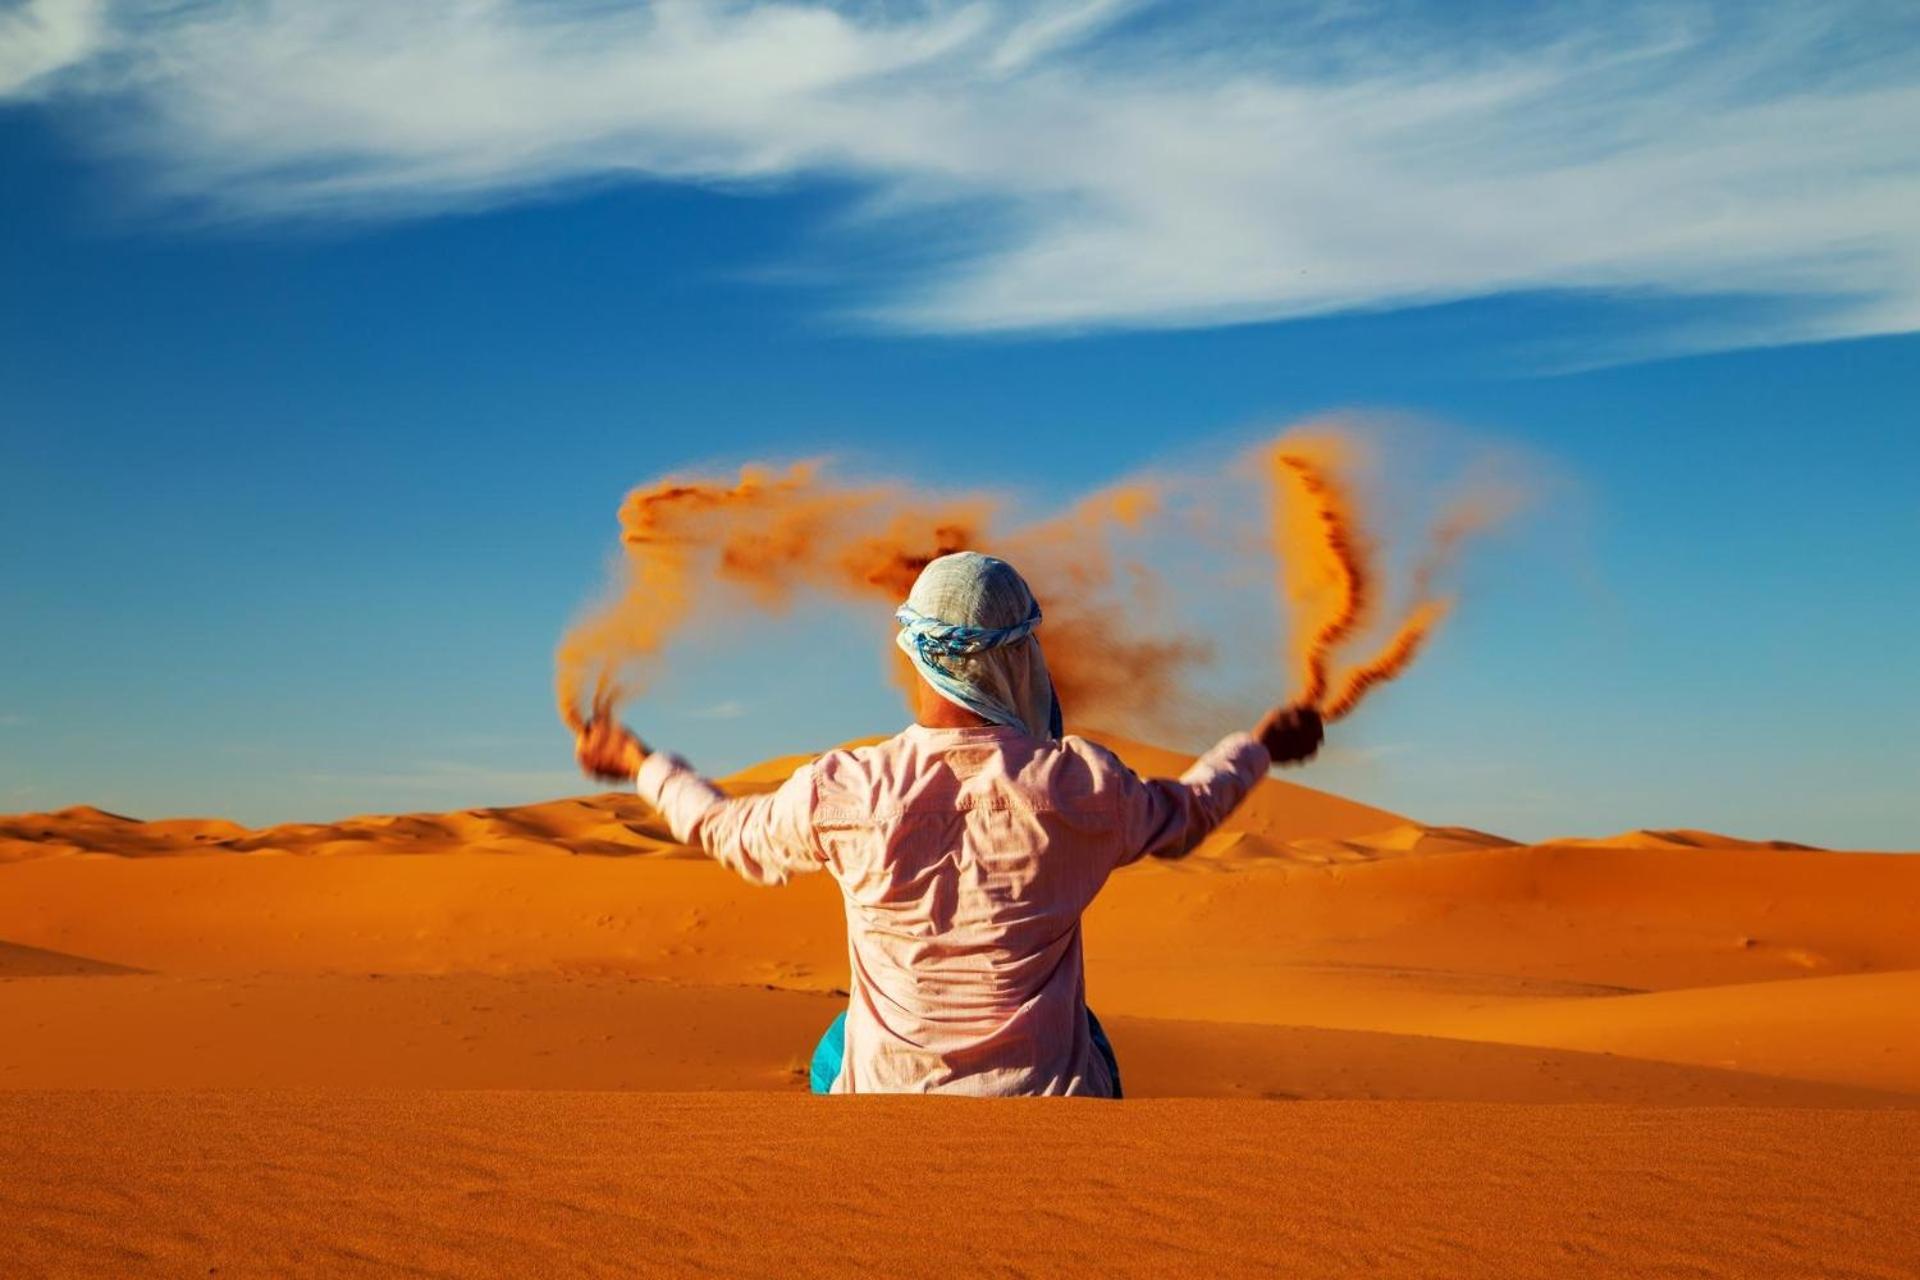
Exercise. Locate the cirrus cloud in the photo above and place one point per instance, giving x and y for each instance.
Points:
(1080, 164)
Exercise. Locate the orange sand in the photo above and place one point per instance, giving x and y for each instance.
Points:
(1314, 949)
(611, 1184)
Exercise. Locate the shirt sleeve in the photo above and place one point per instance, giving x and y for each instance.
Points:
(765, 838)
(1166, 818)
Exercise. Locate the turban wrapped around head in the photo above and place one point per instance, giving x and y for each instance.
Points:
(968, 625)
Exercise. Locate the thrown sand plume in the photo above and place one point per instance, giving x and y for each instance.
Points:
(692, 550)
(1394, 657)
(1328, 571)
(770, 533)
(1324, 562)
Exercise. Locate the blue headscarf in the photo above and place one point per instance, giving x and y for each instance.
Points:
(968, 625)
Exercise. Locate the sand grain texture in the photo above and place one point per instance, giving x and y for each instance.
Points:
(596, 1184)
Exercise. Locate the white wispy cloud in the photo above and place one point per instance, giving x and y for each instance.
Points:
(1084, 163)
(41, 38)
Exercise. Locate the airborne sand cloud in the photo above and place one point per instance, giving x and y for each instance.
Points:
(1131, 164)
(703, 552)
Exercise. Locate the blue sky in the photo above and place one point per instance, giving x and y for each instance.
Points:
(331, 335)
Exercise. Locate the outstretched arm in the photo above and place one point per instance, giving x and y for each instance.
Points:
(765, 838)
(1167, 818)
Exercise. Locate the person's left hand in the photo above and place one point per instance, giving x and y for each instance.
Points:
(609, 751)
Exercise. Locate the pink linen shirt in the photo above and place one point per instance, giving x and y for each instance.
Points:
(965, 858)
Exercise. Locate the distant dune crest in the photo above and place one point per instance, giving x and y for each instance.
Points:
(1680, 838)
(1281, 821)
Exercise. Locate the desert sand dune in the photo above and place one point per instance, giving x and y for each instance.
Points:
(1832, 1028)
(575, 1031)
(614, 824)
(1408, 837)
(1684, 838)
(85, 829)
(1612, 920)
(1314, 949)
(616, 1184)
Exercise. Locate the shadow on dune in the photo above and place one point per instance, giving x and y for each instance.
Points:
(18, 960)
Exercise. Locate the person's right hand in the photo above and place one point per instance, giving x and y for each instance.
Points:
(1291, 735)
(609, 751)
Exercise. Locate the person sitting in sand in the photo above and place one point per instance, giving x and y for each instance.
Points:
(966, 848)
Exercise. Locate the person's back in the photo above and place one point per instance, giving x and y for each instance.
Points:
(966, 850)
(967, 856)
